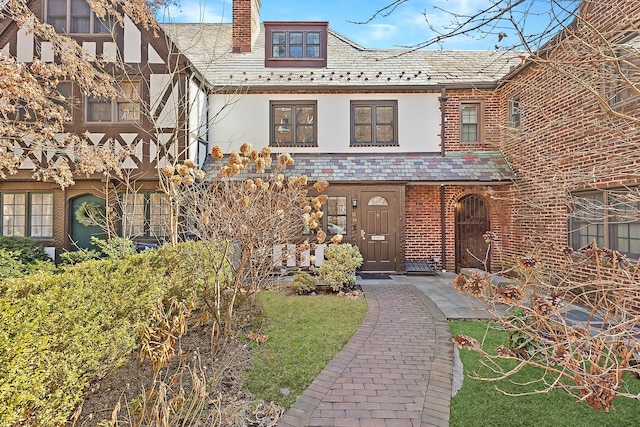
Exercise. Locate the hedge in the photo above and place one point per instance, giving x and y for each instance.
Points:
(60, 331)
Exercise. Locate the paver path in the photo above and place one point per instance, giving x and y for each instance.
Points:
(395, 371)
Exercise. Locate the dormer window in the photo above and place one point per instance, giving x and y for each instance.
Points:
(296, 44)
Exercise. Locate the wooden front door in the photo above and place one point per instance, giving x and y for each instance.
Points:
(472, 222)
(378, 233)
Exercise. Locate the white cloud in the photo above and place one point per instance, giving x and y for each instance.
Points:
(381, 31)
(195, 11)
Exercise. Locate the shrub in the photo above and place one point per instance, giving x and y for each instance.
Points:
(26, 250)
(191, 265)
(60, 331)
(339, 267)
(115, 247)
(12, 264)
(303, 283)
(76, 257)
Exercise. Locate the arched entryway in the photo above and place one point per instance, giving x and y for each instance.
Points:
(81, 233)
(472, 222)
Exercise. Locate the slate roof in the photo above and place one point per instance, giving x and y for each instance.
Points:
(481, 166)
(208, 47)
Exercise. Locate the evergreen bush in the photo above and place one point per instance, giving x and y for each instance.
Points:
(303, 283)
(339, 266)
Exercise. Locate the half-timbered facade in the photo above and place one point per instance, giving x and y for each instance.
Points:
(159, 116)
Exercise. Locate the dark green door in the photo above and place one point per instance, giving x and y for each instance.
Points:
(81, 233)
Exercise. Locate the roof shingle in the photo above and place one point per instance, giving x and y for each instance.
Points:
(484, 167)
(208, 47)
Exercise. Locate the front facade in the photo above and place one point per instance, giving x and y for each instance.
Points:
(425, 151)
(572, 136)
(159, 116)
(402, 188)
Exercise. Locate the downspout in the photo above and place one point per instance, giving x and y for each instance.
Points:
(443, 120)
(443, 228)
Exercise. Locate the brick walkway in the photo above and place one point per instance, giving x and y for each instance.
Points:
(395, 371)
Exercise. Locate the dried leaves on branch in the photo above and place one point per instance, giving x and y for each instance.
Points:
(251, 215)
(581, 330)
(34, 109)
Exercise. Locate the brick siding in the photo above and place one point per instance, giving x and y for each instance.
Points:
(568, 141)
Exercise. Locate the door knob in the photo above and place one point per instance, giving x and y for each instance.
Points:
(362, 234)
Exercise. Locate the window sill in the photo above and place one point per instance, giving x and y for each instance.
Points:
(296, 62)
(359, 144)
(287, 145)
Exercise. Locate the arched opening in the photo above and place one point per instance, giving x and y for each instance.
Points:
(471, 223)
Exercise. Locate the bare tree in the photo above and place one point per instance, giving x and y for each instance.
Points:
(249, 215)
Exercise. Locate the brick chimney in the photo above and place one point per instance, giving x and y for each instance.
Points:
(246, 24)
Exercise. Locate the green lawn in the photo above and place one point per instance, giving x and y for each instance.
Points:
(305, 333)
(480, 404)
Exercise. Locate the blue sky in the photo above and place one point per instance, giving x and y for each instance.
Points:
(406, 26)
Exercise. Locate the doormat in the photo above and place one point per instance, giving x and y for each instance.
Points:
(374, 276)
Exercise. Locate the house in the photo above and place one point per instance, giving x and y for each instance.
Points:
(572, 138)
(150, 118)
(408, 140)
(425, 151)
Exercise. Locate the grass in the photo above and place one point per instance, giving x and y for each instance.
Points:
(305, 333)
(479, 403)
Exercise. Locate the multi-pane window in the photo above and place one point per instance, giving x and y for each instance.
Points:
(293, 124)
(27, 214)
(159, 215)
(14, 214)
(374, 123)
(26, 114)
(124, 108)
(65, 90)
(336, 211)
(470, 122)
(145, 215)
(41, 214)
(133, 217)
(300, 44)
(295, 44)
(588, 220)
(610, 218)
(76, 17)
(514, 112)
(627, 75)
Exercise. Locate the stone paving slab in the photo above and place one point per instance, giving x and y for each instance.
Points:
(395, 371)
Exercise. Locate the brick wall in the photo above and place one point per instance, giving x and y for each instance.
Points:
(570, 139)
(490, 121)
(423, 222)
(246, 24)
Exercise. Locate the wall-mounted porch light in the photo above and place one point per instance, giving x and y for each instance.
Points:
(354, 202)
